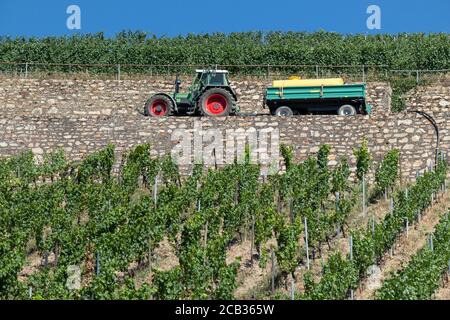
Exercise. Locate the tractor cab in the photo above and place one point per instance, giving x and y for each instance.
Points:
(210, 94)
(204, 78)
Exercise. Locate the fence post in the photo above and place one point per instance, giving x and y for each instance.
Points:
(317, 71)
(407, 228)
(351, 259)
(272, 256)
(118, 72)
(373, 225)
(391, 205)
(97, 264)
(155, 191)
(337, 195)
(252, 239)
(205, 240)
(306, 242)
(363, 194)
(363, 73)
(268, 72)
(26, 70)
(417, 76)
(292, 289)
(350, 242)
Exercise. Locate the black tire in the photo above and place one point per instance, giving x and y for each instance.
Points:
(347, 110)
(284, 111)
(158, 105)
(216, 102)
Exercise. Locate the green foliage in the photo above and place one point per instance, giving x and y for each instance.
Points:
(369, 246)
(287, 152)
(362, 160)
(339, 275)
(387, 172)
(288, 246)
(340, 175)
(420, 278)
(400, 86)
(84, 215)
(401, 51)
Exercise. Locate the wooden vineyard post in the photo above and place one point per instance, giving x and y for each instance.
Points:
(373, 225)
(350, 243)
(351, 259)
(150, 255)
(272, 257)
(252, 239)
(205, 239)
(337, 195)
(291, 213)
(448, 270)
(155, 191)
(306, 243)
(292, 290)
(407, 228)
(364, 194)
(97, 264)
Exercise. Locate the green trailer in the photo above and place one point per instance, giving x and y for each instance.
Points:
(343, 99)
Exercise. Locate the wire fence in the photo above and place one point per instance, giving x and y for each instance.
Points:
(30, 70)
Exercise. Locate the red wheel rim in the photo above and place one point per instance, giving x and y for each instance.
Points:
(158, 108)
(216, 104)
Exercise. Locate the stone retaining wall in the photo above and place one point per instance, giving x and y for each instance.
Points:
(82, 116)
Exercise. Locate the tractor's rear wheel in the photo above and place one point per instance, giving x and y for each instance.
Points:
(215, 102)
(158, 106)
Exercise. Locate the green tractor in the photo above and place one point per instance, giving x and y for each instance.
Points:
(210, 94)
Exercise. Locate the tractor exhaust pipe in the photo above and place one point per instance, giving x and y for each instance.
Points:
(177, 85)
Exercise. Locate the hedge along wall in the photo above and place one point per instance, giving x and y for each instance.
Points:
(402, 51)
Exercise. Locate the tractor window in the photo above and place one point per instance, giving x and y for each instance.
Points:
(216, 79)
(204, 77)
(196, 79)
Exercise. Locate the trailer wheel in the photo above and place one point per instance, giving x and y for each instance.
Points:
(215, 102)
(158, 106)
(284, 111)
(347, 110)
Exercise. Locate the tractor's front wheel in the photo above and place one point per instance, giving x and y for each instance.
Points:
(215, 102)
(158, 106)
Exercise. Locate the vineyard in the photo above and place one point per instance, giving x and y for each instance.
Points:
(256, 49)
(80, 230)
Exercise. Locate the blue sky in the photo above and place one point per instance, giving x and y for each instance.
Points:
(173, 17)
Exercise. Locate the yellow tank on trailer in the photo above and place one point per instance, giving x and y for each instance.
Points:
(308, 82)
